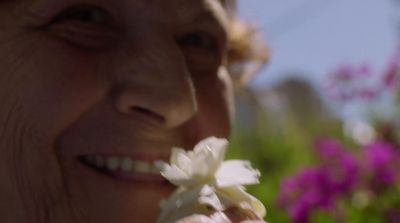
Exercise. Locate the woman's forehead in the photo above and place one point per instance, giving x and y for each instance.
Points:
(194, 3)
(179, 8)
(173, 12)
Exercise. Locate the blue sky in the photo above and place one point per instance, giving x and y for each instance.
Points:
(313, 37)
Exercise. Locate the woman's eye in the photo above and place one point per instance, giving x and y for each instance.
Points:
(199, 40)
(84, 14)
(86, 26)
(202, 51)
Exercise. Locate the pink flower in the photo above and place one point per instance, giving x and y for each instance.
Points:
(381, 160)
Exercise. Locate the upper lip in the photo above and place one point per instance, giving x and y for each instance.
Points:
(136, 151)
(110, 137)
(145, 156)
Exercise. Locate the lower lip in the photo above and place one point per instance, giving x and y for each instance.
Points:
(127, 177)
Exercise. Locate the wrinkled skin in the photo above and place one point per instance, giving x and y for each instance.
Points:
(123, 77)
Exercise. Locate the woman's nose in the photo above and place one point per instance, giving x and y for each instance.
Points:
(154, 83)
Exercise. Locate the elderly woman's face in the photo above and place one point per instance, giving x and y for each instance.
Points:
(92, 92)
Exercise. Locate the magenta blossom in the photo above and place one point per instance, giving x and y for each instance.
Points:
(301, 194)
(339, 174)
(319, 187)
(341, 164)
(381, 161)
(351, 82)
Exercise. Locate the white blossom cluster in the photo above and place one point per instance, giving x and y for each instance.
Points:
(206, 183)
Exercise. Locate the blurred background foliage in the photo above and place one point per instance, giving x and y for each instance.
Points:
(328, 150)
(281, 140)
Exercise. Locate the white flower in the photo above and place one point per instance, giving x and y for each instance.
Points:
(191, 168)
(205, 165)
(206, 183)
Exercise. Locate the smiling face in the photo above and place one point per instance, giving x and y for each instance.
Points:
(92, 92)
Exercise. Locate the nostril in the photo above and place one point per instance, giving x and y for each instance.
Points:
(160, 119)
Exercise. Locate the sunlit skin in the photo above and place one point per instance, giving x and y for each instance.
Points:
(122, 77)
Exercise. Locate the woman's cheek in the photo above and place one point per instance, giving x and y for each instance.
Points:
(61, 84)
(45, 87)
(215, 99)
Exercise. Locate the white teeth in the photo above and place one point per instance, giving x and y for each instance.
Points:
(156, 167)
(141, 167)
(122, 164)
(112, 163)
(127, 164)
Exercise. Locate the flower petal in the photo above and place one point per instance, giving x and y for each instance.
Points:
(216, 148)
(201, 161)
(236, 172)
(238, 196)
(209, 199)
(179, 158)
(183, 203)
(173, 174)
